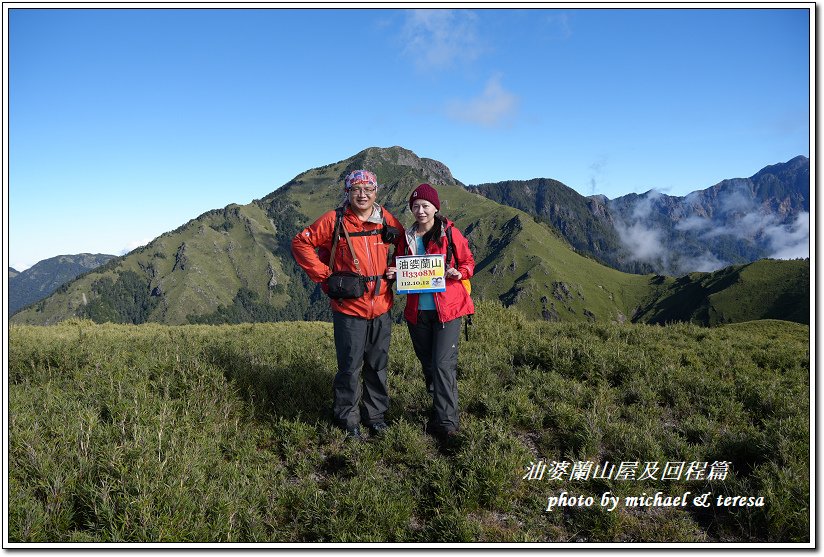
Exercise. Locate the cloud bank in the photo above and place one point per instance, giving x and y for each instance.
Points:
(494, 107)
(734, 215)
(790, 241)
(438, 39)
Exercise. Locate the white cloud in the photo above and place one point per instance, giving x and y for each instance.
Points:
(746, 227)
(495, 106)
(644, 243)
(791, 241)
(694, 223)
(745, 220)
(643, 207)
(437, 39)
(134, 244)
(705, 263)
(738, 200)
(738, 216)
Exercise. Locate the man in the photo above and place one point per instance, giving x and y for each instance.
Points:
(362, 325)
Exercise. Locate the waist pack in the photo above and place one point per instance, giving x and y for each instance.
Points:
(344, 285)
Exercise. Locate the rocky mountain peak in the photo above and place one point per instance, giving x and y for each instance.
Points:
(435, 172)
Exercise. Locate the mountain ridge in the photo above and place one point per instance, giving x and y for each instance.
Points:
(235, 265)
(46, 276)
(736, 221)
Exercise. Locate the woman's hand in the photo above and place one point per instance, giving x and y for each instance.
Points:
(390, 273)
(453, 273)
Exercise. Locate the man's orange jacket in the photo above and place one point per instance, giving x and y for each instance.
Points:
(312, 245)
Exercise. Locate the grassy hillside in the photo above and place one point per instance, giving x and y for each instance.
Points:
(201, 433)
(235, 264)
(765, 289)
(189, 271)
(520, 262)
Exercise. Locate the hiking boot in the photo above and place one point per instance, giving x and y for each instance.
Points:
(378, 428)
(448, 441)
(438, 432)
(449, 436)
(353, 433)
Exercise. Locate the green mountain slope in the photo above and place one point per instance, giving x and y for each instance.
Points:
(188, 271)
(765, 289)
(520, 262)
(235, 265)
(736, 221)
(584, 221)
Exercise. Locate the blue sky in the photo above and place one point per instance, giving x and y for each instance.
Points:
(126, 123)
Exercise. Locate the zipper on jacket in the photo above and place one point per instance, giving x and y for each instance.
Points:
(435, 294)
(369, 265)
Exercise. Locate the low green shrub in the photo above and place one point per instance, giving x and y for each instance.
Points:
(222, 433)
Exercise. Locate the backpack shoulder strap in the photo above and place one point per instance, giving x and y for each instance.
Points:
(450, 245)
(336, 234)
(374, 232)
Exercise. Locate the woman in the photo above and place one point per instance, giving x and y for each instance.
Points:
(434, 319)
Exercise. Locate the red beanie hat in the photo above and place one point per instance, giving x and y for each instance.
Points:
(427, 193)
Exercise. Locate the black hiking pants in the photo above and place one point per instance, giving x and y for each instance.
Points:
(360, 343)
(436, 346)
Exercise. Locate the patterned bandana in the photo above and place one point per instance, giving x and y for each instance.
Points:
(357, 177)
(360, 177)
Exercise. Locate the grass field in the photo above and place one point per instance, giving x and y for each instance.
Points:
(203, 433)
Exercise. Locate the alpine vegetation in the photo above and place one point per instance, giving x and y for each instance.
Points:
(571, 432)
